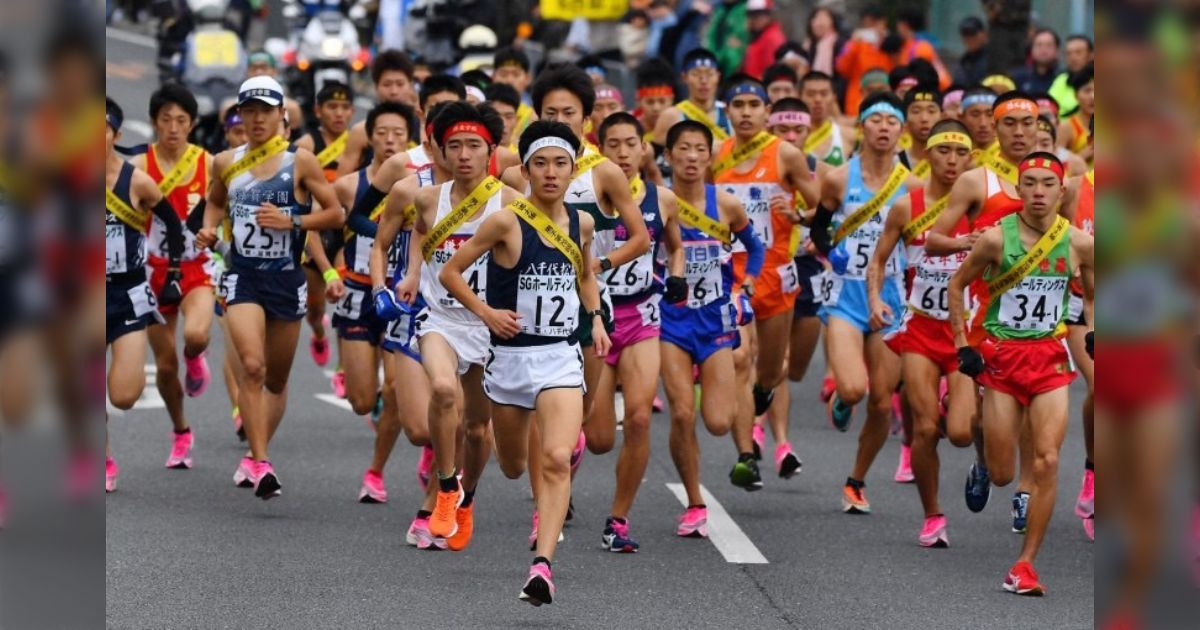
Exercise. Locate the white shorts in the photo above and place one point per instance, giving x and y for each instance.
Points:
(469, 339)
(516, 375)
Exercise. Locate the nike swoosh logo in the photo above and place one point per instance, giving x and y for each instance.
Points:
(130, 322)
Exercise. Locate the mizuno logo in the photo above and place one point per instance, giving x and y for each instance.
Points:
(577, 193)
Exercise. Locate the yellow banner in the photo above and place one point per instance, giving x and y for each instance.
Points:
(921, 224)
(171, 181)
(701, 221)
(818, 136)
(587, 163)
(465, 208)
(568, 10)
(922, 169)
(760, 141)
(1032, 258)
(636, 186)
(254, 158)
(1001, 167)
(872, 206)
(693, 112)
(549, 229)
(333, 150)
(136, 219)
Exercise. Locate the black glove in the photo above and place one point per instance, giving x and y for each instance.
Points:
(172, 292)
(1089, 340)
(677, 290)
(970, 362)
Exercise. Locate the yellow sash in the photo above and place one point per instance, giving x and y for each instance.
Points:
(990, 150)
(1091, 177)
(524, 117)
(906, 141)
(872, 206)
(921, 170)
(760, 141)
(410, 213)
(1032, 258)
(172, 180)
(818, 137)
(636, 186)
(254, 158)
(587, 163)
(921, 224)
(549, 229)
(136, 219)
(1001, 167)
(465, 208)
(701, 221)
(333, 150)
(693, 112)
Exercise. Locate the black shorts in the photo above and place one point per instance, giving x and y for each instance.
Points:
(354, 316)
(807, 268)
(283, 295)
(129, 307)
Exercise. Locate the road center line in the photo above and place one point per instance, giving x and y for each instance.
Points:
(726, 536)
(335, 401)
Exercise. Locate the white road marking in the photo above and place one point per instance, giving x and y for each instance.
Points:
(138, 127)
(136, 39)
(726, 536)
(335, 401)
(150, 398)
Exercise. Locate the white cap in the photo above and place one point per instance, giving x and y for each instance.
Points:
(758, 5)
(261, 88)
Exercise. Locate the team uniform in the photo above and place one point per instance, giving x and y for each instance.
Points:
(264, 263)
(834, 155)
(581, 197)
(997, 205)
(1085, 219)
(418, 159)
(636, 287)
(400, 335)
(130, 303)
(543, 289)
(809, 268)
(195, 266)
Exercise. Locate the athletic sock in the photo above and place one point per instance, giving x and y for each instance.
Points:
(184, 432)
(746, 457)
(541, 559)
(447, 484)
(854, 483)
(1088, 465)
(700, 506)
(424, 514)
(468, 497)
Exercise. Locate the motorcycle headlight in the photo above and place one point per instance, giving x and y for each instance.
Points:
(205, 104)
(332, 47)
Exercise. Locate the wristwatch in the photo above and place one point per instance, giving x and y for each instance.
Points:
(605, 264)
(596, 313)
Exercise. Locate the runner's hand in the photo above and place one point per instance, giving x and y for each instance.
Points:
(676, 291)
(271, 217)
(601, 344)
(967, 241)
(970, 362)
(206, 238)
(504, 324)
(335, 291)
(172, 292)
(406, 289)
(782, 204)
(881, 315)
(385, 305)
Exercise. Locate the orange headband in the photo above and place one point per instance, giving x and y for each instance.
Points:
(1016, 105)
(657, 90)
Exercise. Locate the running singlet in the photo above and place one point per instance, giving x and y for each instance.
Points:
(404, 238)
(418, 159)
(755, 188)
(541, 288)
(319, 145)
(929, 292)
(708, 270)
(834, 156)
(182, 198)
(259, 248)
(358, 247)
(642, 276)
(860, 244)
(1036, 307)
(436, 295)
(124, 246)
(722, 119)
(1085, 216)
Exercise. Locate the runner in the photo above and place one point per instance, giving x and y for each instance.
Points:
(130, 197)
(924, 340)
(830, 141)
(395, 82)
(505, 99)
(922, 109)
(512, 68)
(267, 193)
(539, 279)
(856, 199)
(451, 339)
(1083, 216)
(608, 101)
(439, 88)
(1023, 363)
(1047, 140)
(261, 63)
(637, 290)
(977, 105)
(702, 333)
(181, 171)
(235, 130)
(952, 102)
(701, 74)
(655, 94)
(764, 174)
(781, 82)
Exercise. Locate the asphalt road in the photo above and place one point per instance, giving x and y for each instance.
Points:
(185, 549)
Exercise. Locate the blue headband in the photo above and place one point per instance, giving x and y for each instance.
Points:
(979, 99)
(700, 62)
(882, 107)
(113, 120)
(596, 70)
(746, 88)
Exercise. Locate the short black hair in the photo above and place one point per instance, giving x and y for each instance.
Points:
(684, 126)
(914, 17)
(1047, 123)
(503, 93)
(881, 97)
(477, 78)
(539, 129)
(1080, 37)
(432, 115)
(619, 118)
(510, 56)
(1012, 95)
(1086, 75)
(949, 124)
(391, 60)
(462, 111)
(177, 94)
(332, 89)
(923, 90)
(779, 72)
(438, 83)
(897, 75)
(655, 72)
(402, 110)
(564, 77)
(815, 75)
(700, 53)
(789, 104)
(790, 47)
(924, 71)
(1043, 31)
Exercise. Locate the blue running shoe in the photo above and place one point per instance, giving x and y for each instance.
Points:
(616, 536)
(840, 414)
(1020, 512)
(979, 487)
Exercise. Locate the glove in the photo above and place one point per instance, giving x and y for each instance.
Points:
(677, 290)
(839, 258)
(171, 293)
(386, 306)
(1089, 340)
(745, 310)
(970, 362)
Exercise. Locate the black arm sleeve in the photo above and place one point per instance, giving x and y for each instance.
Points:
(820, 229)
(166, 214)
(359, 220)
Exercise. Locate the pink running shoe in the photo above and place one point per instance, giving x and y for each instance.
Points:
(339, 383)
(243, 477)
(943, 397)
(197, 375)
(787, 464)
(933, 534)
(828, 386)
(1089, 528)
(904, 473)
(320, 351)
(658, 405)
(759, 435)
(534, 534)
(418, 536)
(1085, 505)
(266, 483)
(425, 466)
(181, 451)
(373, 490)
(111, 471)
(539, 587)
(577, 454)
(693, 523)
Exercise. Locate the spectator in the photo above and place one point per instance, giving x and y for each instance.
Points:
(685, 34)
(1008, 28)
(824, 40)
(634, 35)
(975, 63)
(794, 56)
(766, 36)
(1080, 52)
(1039, 73)
(909, 23)
(662, 17)
(863, 53)
(728, 35)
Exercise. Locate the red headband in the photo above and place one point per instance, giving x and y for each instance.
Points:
(468, 127)
(657, 90)
(1041, 162)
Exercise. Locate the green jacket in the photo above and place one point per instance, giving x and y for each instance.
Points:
(1064, 94)
(728, 35)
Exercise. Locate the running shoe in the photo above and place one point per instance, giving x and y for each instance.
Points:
(840, 414)
(1023, 580)
(933, 534)
(181, 451)
(237, 424)
(266, 483)
(425, 466)
(464, 518)
(197, 374)
(1089, 528)
(693, 523)
(616, 536)
(243, 477)
(539, 587)
(373, 489)
(904, 471)
(111, 472)
(533, 534)
(1020, 512)
(828, 386)
(444, 521)
(338, 381)
(577, 453)
(1085, 505)
(979, 487)
(745, 475)
(787, 464)
(418, 536)
(854, 499)
(759, 435)
(320, 351)
(763, 398)
(658, 405)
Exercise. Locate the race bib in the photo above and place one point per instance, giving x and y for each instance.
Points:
(1074, 308)
(547, 304)
(1034, 304)
(144, 302)
(789, 278)
(362, 255)
(649, 310)
(631, 278)
(860, 245)
(158, 241)
(351, 304)
(704, 274)
(115, 256)
(254, 241)
(931, 293)
(399, 330)
(827, 286)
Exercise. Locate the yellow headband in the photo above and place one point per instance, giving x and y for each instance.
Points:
(948, 137)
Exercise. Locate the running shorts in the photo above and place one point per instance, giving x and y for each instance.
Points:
(466, 335)
(400, 334)
(354, 315)
(283, 295)
(807, 268)
(634, 322)
(1024, 369)
(928, 337)
(129, 307)
(775, 289)
(848, 302)
(701, 332)
(517, 375)
(1149, 375)
(196, 275)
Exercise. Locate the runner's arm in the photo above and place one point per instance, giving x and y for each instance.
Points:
(391, 171)
(1086, 247)
(963, 196)
(589, 291)
(390, 225)
(676, 261)
(898, 217)
(426, 204)
(153, 198)
(743, 230)
(666, 120)
(986, 252)
(616, 187)
(831, 199)
(352, 154)
(331, 216)
(799, 177)
(490, 233)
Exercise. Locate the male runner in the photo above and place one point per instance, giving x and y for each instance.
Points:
(977, 105)
(1047, 140)
(181, 171)
(267, 192)
(539, 279)
(1073, 133)
(701, 74)
(392, 72)
(781, 82)
(922, 109)
(261, 63)
(505, 99)
(512, 67)
(655, 94)
(830, 141)
(1022, 363)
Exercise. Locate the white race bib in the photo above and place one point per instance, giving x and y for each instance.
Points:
(115, 256)
(1035, 304)
(158, 241)
(704, 274)
(351, 304)
(253, 241)
(827, 287)
(547, 304)
(649, 311)
(143, 299)
(631, 278)
(789, 277)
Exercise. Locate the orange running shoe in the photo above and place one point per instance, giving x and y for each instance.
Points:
(465, 519)
(1023, 580)
(854, 500)
(443, 523)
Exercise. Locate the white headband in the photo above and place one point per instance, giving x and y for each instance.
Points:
(476, 92)
(546, 142)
